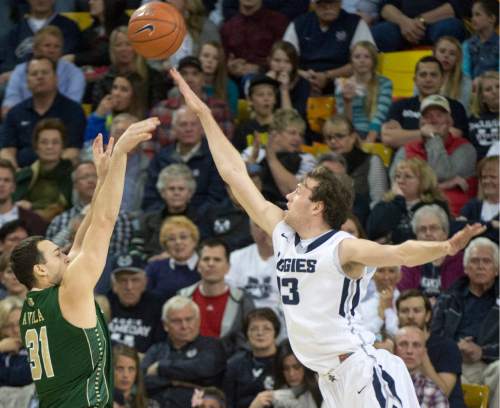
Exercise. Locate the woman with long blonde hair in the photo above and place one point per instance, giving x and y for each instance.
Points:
(125, 61)
(448, 51)
(483, 122)
(414, 185)
(364, 97)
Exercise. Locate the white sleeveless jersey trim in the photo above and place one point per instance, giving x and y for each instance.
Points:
(320, 301)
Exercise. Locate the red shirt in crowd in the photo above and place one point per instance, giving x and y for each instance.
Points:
(211, 312)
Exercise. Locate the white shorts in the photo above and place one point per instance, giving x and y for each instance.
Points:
(369, 378)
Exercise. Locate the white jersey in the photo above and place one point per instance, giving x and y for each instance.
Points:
(320, 301)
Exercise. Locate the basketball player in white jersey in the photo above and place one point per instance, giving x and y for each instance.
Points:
(323, 275)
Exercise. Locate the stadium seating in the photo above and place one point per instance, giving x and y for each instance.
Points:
(475, 395)
(399, 67)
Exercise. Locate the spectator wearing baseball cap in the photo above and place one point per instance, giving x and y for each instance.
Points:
(452, 158)
(135, 313)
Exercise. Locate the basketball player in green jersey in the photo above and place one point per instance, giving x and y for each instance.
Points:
(61, 325)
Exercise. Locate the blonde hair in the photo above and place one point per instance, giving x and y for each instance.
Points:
(478, 105)
(428, 189)
(178, 221)
(220, 80)
(372, 89)
(480, 167)
(139, 62)
(283, 118)
(196, 16)
(7, 305)
(46, 31)
(452, 86)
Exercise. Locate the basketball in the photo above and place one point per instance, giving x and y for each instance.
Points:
(156, 30)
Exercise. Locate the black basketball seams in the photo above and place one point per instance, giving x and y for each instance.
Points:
(153, 39)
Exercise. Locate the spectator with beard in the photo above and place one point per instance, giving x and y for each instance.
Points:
(442, 361)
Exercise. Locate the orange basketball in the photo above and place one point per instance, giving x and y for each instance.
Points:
(156, 30)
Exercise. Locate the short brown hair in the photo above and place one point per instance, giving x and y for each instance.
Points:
(24, 257)
(414, 293)
(262, 313)
(7, 164)
(334, 194)
(49, 124)
(49, 30)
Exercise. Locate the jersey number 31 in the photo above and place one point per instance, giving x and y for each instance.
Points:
(291, 286)
(35, 344)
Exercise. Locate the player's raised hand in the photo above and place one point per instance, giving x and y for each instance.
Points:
(102, 155)
(192, 100)
(136, 133)
(460, 240)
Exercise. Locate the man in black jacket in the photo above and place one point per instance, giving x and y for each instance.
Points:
(174, 368)
(468, 314)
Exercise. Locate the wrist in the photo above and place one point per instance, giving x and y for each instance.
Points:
(421, 19)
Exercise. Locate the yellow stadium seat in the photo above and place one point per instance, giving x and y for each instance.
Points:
(319, 109)
(399, 67)
(87, 108)
(316, 149)
(82, 18)
(475, 395)
(244, 111)
(379, 149)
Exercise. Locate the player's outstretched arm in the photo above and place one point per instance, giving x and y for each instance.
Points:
(78, 282)
(409, 253)
(229, 163)
(102, 157)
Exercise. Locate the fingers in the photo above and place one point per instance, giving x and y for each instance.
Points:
(109, 147)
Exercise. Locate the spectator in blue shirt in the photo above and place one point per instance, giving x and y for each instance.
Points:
(410, 23)
(48, 42)
(481, 50)
(468, 314)
(19, 42)
(46, 102)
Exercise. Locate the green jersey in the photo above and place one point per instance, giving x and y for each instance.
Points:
(71, 367)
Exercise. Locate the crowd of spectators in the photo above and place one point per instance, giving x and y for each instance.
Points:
(189, 289)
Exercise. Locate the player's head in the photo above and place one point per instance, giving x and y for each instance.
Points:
(38, 262)
(321, 196)
(414, 308)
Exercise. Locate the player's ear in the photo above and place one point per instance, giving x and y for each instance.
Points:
(318, 207)
(39, 271)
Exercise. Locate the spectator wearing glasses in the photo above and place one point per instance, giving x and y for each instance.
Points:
(468, 314)
(414, 185)
(367, 171)
(430, 223)
(485, 207)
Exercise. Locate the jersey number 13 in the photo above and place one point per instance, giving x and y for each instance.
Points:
(290, 286)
